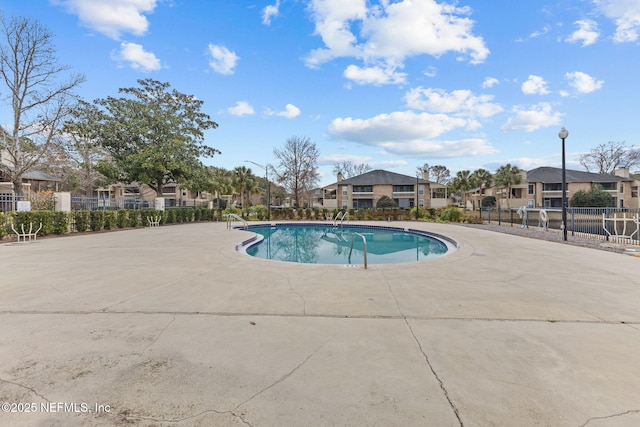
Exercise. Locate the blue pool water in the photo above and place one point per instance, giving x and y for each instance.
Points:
(325, 244)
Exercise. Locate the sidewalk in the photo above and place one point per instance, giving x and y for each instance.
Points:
(171, 327)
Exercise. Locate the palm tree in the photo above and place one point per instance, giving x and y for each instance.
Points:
(220, 182)
(243, 181)
(462, 183)
(483, 179)
(508, 176)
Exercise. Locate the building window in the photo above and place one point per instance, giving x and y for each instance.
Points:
(421, 190)
(362, 189)
(403, 188)
(439, 193)
(609, 186)
(634, 191)
(622, 188)
(552, 186)
(344, 190)
(362, 203)
(420, 202)
(552, 203)
(345, 204)
(531, 189)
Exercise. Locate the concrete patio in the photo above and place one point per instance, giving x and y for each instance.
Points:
(171, 326)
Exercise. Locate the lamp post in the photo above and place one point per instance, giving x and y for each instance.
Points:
(266, 178)
(563, 134)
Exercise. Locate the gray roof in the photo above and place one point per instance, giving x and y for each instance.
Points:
(549, 175)
(378, 177)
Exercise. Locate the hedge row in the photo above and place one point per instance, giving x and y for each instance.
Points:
(97, 220)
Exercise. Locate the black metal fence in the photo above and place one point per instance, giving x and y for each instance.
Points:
(10, 202)
(601, 223)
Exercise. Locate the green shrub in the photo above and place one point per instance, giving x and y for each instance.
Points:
(596, 197)
(4, 224)
(121, 218)
(96, 220)
(171, 216)
(386, 202)
(109, 220)
(451, 214)
(81, 220)
(133, 218)
(61, 222)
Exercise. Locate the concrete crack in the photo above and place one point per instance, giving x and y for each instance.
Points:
(304, 302)
(632, 411)
(285, 376)
(139, 295)
(28, 388)
(454, 408)
(160, 334)
(435, 374)
(127, 417)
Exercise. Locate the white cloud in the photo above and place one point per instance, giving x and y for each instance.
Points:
(290, 112)
(461, 103)
(538, 116)
(112, 17)
(440, 149)
(335, 158)
(625, 14)
(587, 32)
(403, 125)
(490, 82)
(384, 35)
(269, 12)
(409, 133)
(242, 108)
(222, 60)
(583, 82)
(137, 57)
(535, 85)
(374, 75)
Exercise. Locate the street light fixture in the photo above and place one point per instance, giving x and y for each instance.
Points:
(266, 178)
(563, 134)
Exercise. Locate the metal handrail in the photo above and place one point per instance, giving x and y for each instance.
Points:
(346, 215)
(364, 246)
(239, 218)
(340, 216)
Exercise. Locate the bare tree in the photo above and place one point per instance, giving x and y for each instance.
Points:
(349, 169)
(297, 170)
(437, 173)
(610, 156)
(39, 100)
(81, 147)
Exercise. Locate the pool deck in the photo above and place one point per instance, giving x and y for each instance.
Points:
(170, 326)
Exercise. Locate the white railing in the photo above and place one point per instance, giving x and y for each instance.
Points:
(364, 247)
(340, 217)
(231, 217)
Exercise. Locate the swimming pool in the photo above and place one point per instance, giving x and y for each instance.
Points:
(327, 244)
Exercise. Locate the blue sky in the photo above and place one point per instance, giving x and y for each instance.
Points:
(392, 83)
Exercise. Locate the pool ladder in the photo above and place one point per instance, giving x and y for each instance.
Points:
(340, 216)
(239, 218)
(364, 246)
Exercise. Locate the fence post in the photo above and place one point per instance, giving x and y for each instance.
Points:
(573, 222)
